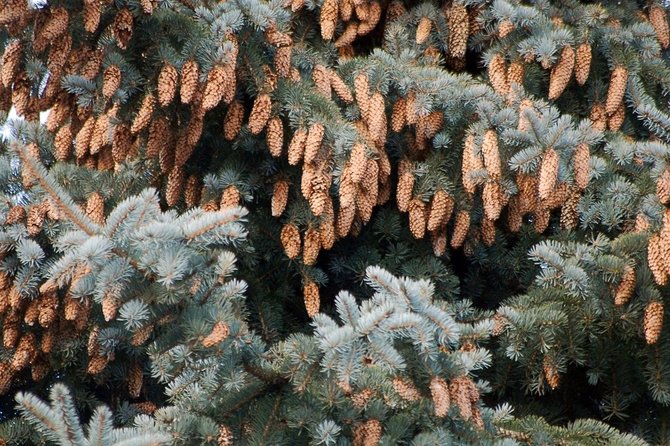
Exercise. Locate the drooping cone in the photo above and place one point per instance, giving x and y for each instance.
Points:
(311, 247)
(189, 81)
(296, 148)
(616, 89)
(583, 63)
(551, 373)
(653, 322)
(110, 306)
(405, 186)
(488, 231)
(471, 162)
(340, 88)
(505, 27)
(659, 21)
(417, 218)
(439, 391)
(290, 240)
(399, 115)
(175, 185)
(423, 30)
(377, 118)
(561, 72)
(95, 208)
(548, 173)
(144, 114)
(25, 351)
(111, 81)
(279, 197)
(328, 18)
(345, 219)
(598, 116)
(92, 12)
(275, 136)
(135, 376)
(230, 197)
(11, 61)
(312, 299)
(515, 72)
(313, 141)
(225, 436)
(260, 113)
(494, 199)
(655, 257)
(615, 121)
(581, 159)
(362, 92)
(123, 27)
(122, 143)
(626, 287)
(406, 389)
(215, 87)
(440, 210)
(63, 143)
(357, 162)
(192, 190)
(569, 214)
(220, 332)
(497, 71)
(491, 154)
(461, 227)
(458, 24)
(321, 79)
(663, 186)
(233, 120)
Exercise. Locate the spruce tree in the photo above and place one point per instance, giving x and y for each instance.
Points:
(334, 222)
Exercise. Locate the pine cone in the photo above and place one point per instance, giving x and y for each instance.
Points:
(313, 141)
(440, 210)
(216, 84)
(550, 373)
(220, 332)
(135, 377)
(399, 115)
(279, 197)
(655, 257)
(498, 75)
(275, 136)
(97, 364)
(225, 436)
(493, 198)
(659, 21)
(167, 84)
(505, 27)
(327, 230)
(616, 90)
(122, 143)
(192, 190)
(340, 88)
(491, 154)
(376, 119)
(461, 228)
(111, 81)
(260, 113)
(548, 173)
(423, 30)
(615, 121)
(290, 240)
(582, 63)
(362, 91)
(569, 215)
(174, 186)
(230, 197)
(458, 24)
(25, 352)
(653, 322)
(144, 114)
(515, 72)
(92, 12)
(95, 208)
(312, 299)
(321, 79)
(123, 27)
(581, 160)
(11, 62)
(626, 287)
(233, 121)
(83, 139)
(189, 81)
(439, 391)
(63, 143)
(312, 247)
(141, 335)
(328, 18)
(345, 219)
(417, 218)
(282, 61)
(561, 72)
(406, 389)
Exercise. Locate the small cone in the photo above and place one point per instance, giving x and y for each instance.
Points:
(417, 218)
(505, 27)
(312, 247)
(123, 27)
(493, 198)
(220, 332)
(111, 81)
(663, 187)
(498, 75)
(461, 227)
(488, 231)
(626, 287)
(583, 63)
(290, 240)
(144, 114)
(440, 210)
(615, 121)
(189, 81)
(313, 141)
(95, 208)
(362, 92)
(296, 148)
(279, 197)
(616, 89)
(598, 116)
(312, 299)
(581, 165)
(230, 197)
(260, 113)
(569, 214)
(659, 21)
(655, 257)
(63, 143)
(174, 186)
(215, 87)
(458, 24)
(340, 88)
(275, 136)
(110, 306)
(399, 115)
(439, 391)
(653, 322)
(11, 61)
(406, 389)
(405, 186)
(491, 154)
(423, 30)
(135, 376)
(225, 436)
(561, 72)
(548, 174)
(328, 18)
(92, 12)
(515, 72)
(321, 79)
(233, 121)
(551, 373)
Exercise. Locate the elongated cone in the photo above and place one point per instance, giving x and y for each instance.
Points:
(312, 299)
(275, 136)
(461, 227)
(498, 75)
(491, 154)
(405, 188)
(626, 287)
(233, 121)
(290, 240)
(458, 24)
(328, 18)
(215, 87)
(551, 373)
(659, 21)
(655, 257)
(311, 247)
(423, 30)
(279, 197)
(561, 72)
(616, 89)
(581, 160)
(548, 173)
(439, 391)
(189, 81)
(440, 210)
(260, 113)
(583, 63)
(417, 218)
(653, 321)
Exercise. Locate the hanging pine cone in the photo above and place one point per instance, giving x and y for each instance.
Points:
(260, 113)
(311, 247)
(275, 136)
(233, 121)
(313, 141)
(458, 24)
(144, 114)
(440, 210)
(655, 257)
(583, 63)
(219, 333)
(439, 391)
(491, 154)
(167, 84)
(659, 21)
(405, 188)
(417, 218)
(653, 322)
(123, 27)
(581, 161)
(616, 89)
(174, 186)
(214, 88)
(225, 436)
(569, 214)
(551, 374)
(11, 62)
(192, 190)
(505, 27)
(626, 287)
(561, 72)
(279, 197)
(461, 228)
(328, 18)
(111, 81)
(63, 143)
(189, 81)
(135, 378)
(321, 80)
(615, 121)
(311, 297)
(548, 173)
(230, 197)
(25, 352)
(345, 219)
(95, 208)
(92, 12)
(423, 30)
(362, 93)
(498, 75)
(121, 143)
(515, 72)
(290, 240)
(340, 88)
(493, 198)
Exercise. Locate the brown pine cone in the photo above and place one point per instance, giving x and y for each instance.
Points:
(189, 81)
(616, 90)
(167, 84)
(144, 114)
(260, 113)
(296, 148)
(290, 240)
(439, 391)
(417, 218)
(653, 321)
(275, 136)
(548, 173)
(174, 186)
(63, 143)
(219, 333)
(11, 62)
(311, 297)
(311, 247)
(461, 228)
(626, 286)
(313, 141)
(233, 121)
(659, 21)
(215, 87)
(279, 197)
(423, 30)
(583, 63)
(111, 81)
(491, 154)
(92, 13)
(328, 18)
(459, 28)
(497, 71)
(561, 72)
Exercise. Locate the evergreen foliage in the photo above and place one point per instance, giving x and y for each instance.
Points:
(334, 222)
